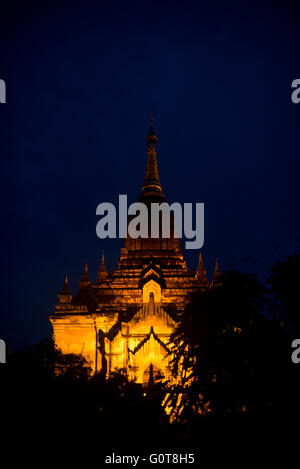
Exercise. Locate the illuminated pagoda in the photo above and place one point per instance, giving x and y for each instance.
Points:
(125, 318)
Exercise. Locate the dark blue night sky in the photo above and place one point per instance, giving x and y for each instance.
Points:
(83, 79)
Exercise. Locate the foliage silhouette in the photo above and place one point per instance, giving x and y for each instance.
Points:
(285, 285)
(230, 358)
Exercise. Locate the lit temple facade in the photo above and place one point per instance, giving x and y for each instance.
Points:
(125, 318)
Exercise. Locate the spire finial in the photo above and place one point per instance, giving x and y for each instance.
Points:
(85, 281)
(201, 272)
(151, 137)
(65, 297)
(65, 289)
(102, 272)
(152, 185)
(216, 280)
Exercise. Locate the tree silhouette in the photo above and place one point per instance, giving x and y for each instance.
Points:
(284, 279)
(230, 358)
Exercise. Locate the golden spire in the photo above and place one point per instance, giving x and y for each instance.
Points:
(85, 281)
(216, 280)
(152, 185)
(201, 271)
(102, 272)
(65, 295)
(65, 288)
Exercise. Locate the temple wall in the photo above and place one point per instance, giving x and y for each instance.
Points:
(76, 335)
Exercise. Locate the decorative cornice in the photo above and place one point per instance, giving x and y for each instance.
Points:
(148, 337)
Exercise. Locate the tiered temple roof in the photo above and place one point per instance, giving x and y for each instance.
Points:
(138, 302)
